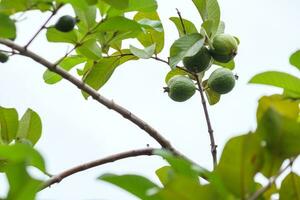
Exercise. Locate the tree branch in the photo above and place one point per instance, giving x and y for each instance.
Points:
(93, 93)
(59, 177)
(209, 126)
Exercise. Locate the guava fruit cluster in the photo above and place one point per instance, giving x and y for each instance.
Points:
(65, 23)
(3, 57)
(223, 49)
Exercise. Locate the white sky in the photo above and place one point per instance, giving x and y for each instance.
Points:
(75, 130)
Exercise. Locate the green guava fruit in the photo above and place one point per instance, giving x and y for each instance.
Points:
(221, 81)
(224, 48)
(180, 88)
(199, 62)
(65, 23)
(3, 57)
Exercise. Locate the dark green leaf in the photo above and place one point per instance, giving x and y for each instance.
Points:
(295, 59)
(185, 46)
(137, 185)
(143, 53)
(8, 124)
(278, 79)
(290, 187)
(7, 27)
(189, 26)
(54, 35)
(67, 64)
(30, 127)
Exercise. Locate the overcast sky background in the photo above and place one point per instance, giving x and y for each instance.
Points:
(76, 130)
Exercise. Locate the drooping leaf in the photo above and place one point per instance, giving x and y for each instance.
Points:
(239, 164)
(174, 72)
(153, 30)
(30, 127)
(143, 53)
(230, 65)
(189, 26)
(90, 49)
(290, 187)
(185, 46)
(139, 186)
(212, 96)
(54, 35)
(86, 15)
(67, 64)
(295, 59)
(8, 124)
(7, 27)
(278, 79)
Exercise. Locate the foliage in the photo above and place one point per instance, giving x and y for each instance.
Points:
(99, 46)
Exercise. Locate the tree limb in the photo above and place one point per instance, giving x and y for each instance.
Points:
(59, 177)
(93, 93)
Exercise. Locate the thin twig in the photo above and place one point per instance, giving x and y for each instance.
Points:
(93, 93)
(209, 126)
(181, 21)
(272, 180)
(59, 177)
(43, 26)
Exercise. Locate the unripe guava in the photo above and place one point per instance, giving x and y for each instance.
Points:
(65, 23)
(3, 57)
(180, 88)
(221, 81)
(199, 62)
(224, 48)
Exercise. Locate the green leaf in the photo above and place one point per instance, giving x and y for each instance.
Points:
(189, 26)
(30, 127)
(7, 27)
(67, 64)
(174, 72)
(165, 174)
(10, 7)
(278, 79)
(280, 133)
(137, 185)
(86, 15)
(54, 35)
(185, 46)
(119, 24)
(212, 96)
(295, 59)
(230, 65)
(91, 2)
(290, 187)
(8, 124)
(209, 11)
(153, 30)
(239, 164)
(143, 53)
(90, 49)
(118, 4)
(22, 186)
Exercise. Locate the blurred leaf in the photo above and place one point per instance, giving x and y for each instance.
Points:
(143, 53)
(67, 64)
(153, 30)
(278, 79)
(10, 7)
(119, 24)
(221, 29)
(174, 72)
(164, 174)
(209, 10)
(290, 187)
(54, 35)
(189, 26)
(90, 49)
(295, 59)
(230, 65)
(8, 124)
(91, 2)
(30, 127)
(137, 185)
(22, 186)
(118, 4)
(103, 7)
(135, 5)
(271, 163)
(239, 163)
(212, 96)
(86, 15)
(185, 46)
(7, 27)
(281, 134)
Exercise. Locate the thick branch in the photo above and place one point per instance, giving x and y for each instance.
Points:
(209, 127)
(93, 93)
(134, 153)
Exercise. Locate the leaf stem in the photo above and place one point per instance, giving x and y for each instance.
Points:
(181, 21)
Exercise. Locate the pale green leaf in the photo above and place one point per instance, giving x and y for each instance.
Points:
(189, 26)
(143, 53)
